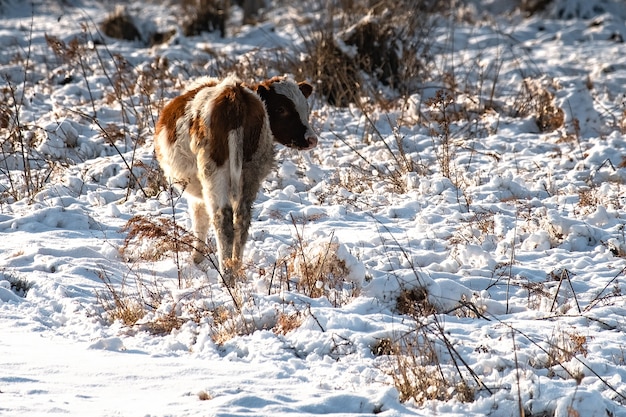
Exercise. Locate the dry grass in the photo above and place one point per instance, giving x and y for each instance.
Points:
(25, 169)
(287, 322)
(316, 269)
(565, 346)
(414, 302)
(355, 46)
(120, 25)
(541, 104)
(419, 375)
(18, 285)
(123, 304)
(423, 364)
(153, 239)
(204, 396)
(204, 16)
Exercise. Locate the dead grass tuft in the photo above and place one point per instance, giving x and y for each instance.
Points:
(229, 322)
(121, 305)
(419, 375)
(120, 25)
(204, 16)
(338, 79)
(383, 347)
(357, 46)
(204, 396)
(18, 285)
(153, 239)
(588, 198)
(317, 270)
(548, 116)
(414, 302)
(565, 346)
(287, 322)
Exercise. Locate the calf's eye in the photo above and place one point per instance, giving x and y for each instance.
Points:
(282, 111)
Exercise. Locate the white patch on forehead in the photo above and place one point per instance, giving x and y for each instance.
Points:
(291, 90)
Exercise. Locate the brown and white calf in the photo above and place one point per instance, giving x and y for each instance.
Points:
(216, 140)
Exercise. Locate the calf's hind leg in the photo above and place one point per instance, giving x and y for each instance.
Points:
(243, 212)
(224, 234)
(215, 185)
(242, 224)
(201, 221)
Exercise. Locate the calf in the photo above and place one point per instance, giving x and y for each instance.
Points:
(216, 140)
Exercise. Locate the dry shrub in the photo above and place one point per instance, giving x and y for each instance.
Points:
(68, 53)
(565, 346)
(338, 79)
(534, 6)
(419, 375)
(621, 123)
(121, 308)
(374, 41)
(414, 302)
(362, 44)
(6, 110)
(120, 304)
(538, 294)
(587, 197)
(18, 285)
(318, 270)
(443, 114)
(204, 396)
(477, 228)
(251, 10)
(204, 16)
(287, 322)
(153, 239)
(383, 347)
(151, 306)
(548, 116)
(228, 322)
(24, 169)
(120, 25)
(140, 305)
(158, 38)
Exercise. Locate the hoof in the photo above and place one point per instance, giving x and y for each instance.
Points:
(231, 271)
(229, 278)
(199, 257)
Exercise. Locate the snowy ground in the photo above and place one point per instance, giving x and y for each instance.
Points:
(518, 241)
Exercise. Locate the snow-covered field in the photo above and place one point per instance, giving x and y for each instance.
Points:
(504, 241)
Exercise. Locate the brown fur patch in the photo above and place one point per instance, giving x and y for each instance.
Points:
(198, 131)
(234, 108)
(173, 111)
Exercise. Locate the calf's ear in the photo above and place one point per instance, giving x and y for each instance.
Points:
(262, 90)
(306, 88)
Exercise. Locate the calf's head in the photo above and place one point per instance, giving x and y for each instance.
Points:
(288, 112)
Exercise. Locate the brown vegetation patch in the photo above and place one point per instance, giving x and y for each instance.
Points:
(120, 25)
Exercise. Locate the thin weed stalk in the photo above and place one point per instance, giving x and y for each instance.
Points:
(565, 275)
(558, 362)
(110, 138)
(520, 406)
(599, 298)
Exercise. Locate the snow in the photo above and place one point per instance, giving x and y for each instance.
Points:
(520, 253)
